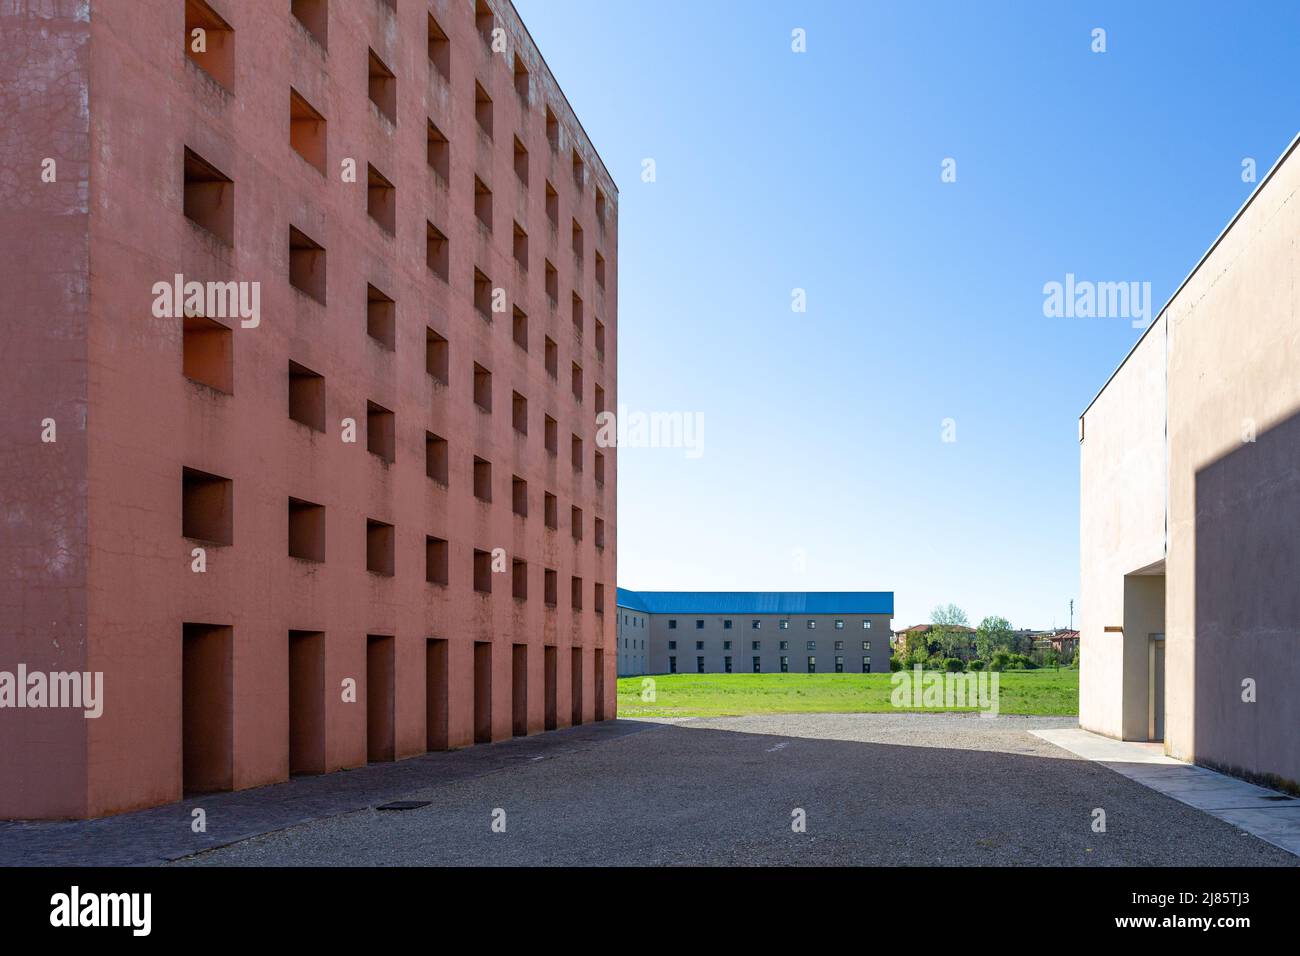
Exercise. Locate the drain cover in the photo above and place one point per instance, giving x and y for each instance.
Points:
(403, 805)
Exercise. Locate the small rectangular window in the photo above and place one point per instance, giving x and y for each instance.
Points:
(672, 624)
(439, 152)
(306, 131)
(785, 665)
(521, 79)
(757, 666)
(551, 587)
(437, 356)
(483, 109)
(210, 42)
(521, 162)
(380, 553)
(207, 507)
(575, 522)
(521, 247)
(521, 328)
(482, 479)
(306, 530)
(383, 87)
(208, 353)
(551, 509)
(552, 283)
(482, 571)
(483, 203)
(209, 197)
(812, 665)
(519, 496)
(306, 396)
(482, 295)
(519, 579)
(575, 593)
(519, 413)
(381, 434)
(435, 560)
(313, 16)
(839, 665)
(552, 436)
(552, 204)
(552, 358)
(381, 318)
(435, 457)
(482, 387)
(552, 128)
(437, 251)
(306, 265)
(439, 49)
(839, 625)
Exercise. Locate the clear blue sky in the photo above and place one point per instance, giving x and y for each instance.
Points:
(821, 170)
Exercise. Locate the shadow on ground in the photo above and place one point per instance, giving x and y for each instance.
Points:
(874, 789)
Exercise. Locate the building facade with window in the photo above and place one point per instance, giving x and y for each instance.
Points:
(768, 632)
(344, 502)
(633, 634)
(1190, 510)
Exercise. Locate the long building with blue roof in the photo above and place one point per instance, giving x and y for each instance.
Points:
(707, 632)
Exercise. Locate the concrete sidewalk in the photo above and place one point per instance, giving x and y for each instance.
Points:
(1267, 814)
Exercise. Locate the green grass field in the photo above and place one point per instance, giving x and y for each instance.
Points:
(1040, 692)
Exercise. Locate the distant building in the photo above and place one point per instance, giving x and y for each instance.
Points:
(633, 633)
(712, 632)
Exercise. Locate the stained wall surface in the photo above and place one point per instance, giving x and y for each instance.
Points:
(218, 405)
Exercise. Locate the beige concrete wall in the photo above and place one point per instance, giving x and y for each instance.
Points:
(1234, 503)
(1122, 527)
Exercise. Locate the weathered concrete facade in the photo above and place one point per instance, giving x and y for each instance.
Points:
(451, 309)
(1195, 442)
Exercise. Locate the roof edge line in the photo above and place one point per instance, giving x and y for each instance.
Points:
(1196, 268)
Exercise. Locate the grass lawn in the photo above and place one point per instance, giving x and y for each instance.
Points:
(1040, 692)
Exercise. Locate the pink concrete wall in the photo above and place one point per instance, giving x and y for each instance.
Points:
(147, 421)
(44, 270)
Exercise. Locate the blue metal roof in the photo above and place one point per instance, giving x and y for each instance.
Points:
(757, 602)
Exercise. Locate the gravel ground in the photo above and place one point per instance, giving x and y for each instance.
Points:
(876, 789)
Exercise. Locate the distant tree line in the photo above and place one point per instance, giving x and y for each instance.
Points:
(950, 643)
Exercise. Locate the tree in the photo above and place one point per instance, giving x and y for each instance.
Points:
(948, 614)
(944, 638)
(993, 634)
